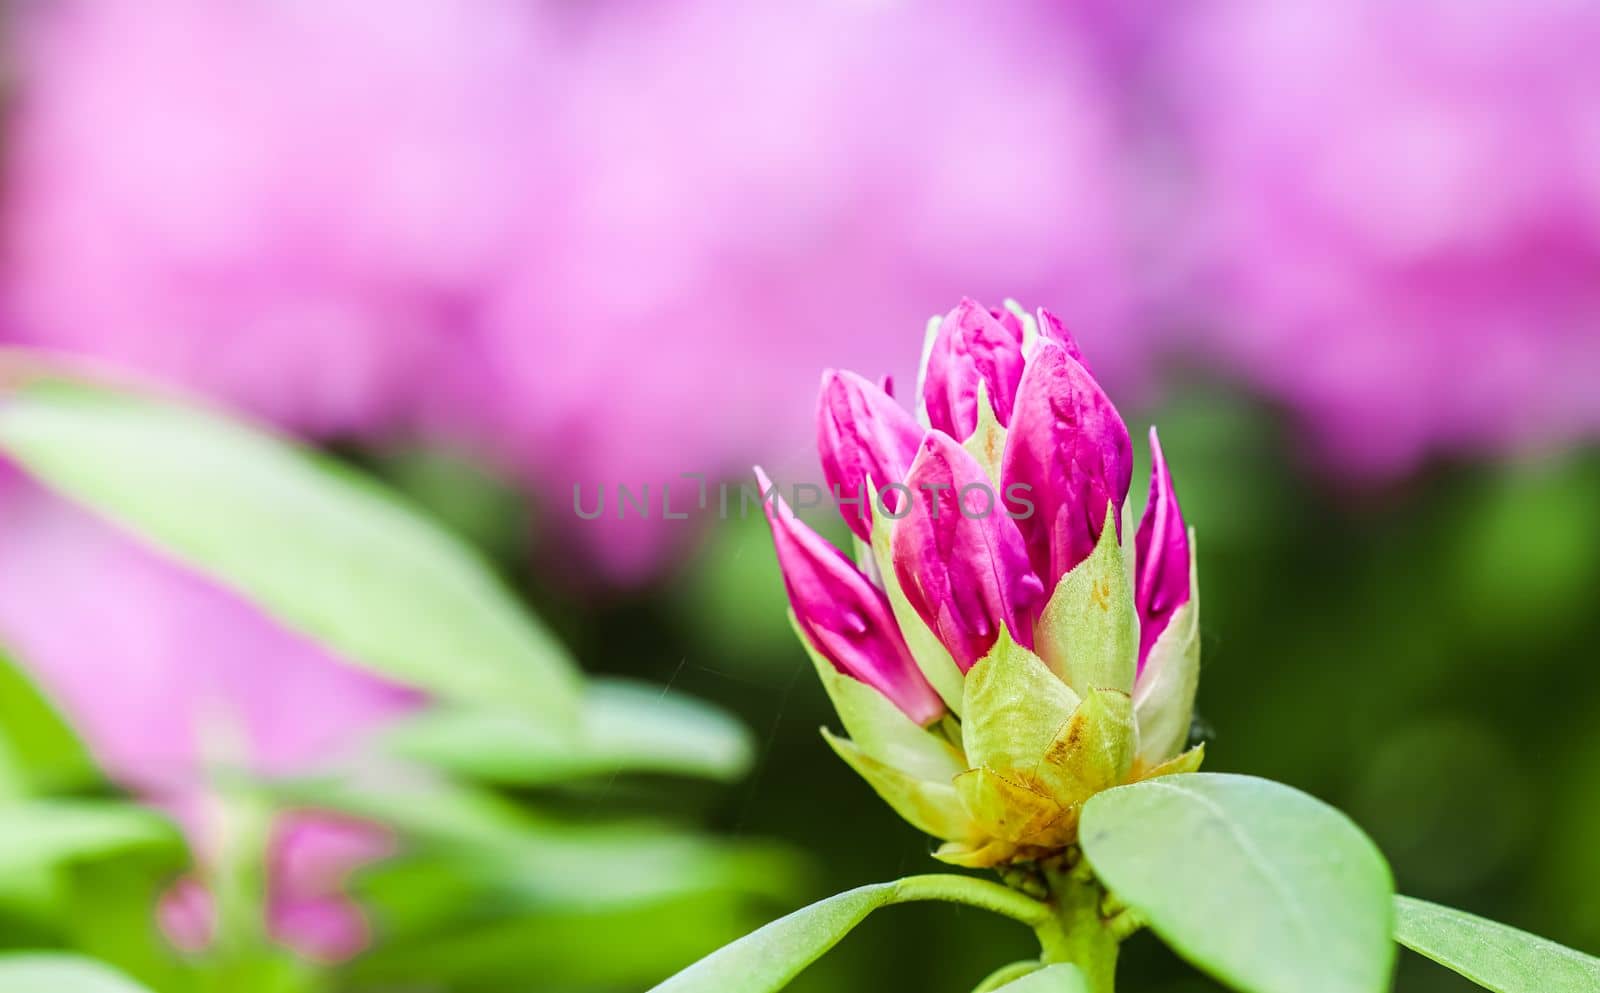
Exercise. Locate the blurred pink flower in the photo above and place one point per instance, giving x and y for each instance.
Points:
(1396, 216)
(604, 243)
(157, 669)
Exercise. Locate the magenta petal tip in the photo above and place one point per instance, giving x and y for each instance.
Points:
(1161, 555)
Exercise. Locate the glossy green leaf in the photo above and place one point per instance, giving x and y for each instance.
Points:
(50, 973)
(322, 549)
(1494, 956)
(622, 727)
(53, 832)
(767, 959)
(1264, 887)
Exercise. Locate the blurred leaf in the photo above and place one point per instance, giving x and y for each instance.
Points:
(462, 495)
(38, 752)
(1494, 956)
(1258, 884)
(317, 546)
(623, 727)
(57, 831)
(50, 973)
(528, 861)
(105, 910)
(621, 948)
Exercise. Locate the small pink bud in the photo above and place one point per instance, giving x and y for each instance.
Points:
(959, 558)
(844, 616)
(1068, 445)
(1161, 555)
(864, 437)
(971, 346)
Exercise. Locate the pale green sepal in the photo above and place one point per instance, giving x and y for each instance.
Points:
(1094, 751)
(1189, 761)
(1163, 699)
(976, 855)
(883, 731)
(1015, 707)
(1089, 631)
(988, 444)
(937, 664)
(1008, 806)
(866, 561)
(928, 338)
(930, 807)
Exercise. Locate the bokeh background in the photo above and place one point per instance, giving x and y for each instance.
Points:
(1346, 253)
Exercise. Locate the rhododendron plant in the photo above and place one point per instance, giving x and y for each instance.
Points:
(1016, 665)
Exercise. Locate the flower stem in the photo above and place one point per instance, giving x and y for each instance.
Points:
(1070, 924)
(1078, 932)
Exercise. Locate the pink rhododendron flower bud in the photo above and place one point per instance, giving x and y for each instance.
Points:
(958, 557)
(1004, 593)
(1069, 445)
(1051, 328)
(972, 350)
(843, 616)
(866, 440)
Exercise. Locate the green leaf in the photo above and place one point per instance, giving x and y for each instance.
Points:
(323, 550)
(1060, 978)
(51, 973)
(1494, 956)
(1267, 889)
(540, 861)
(622, 727)
(60, 831)
(766, 960)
